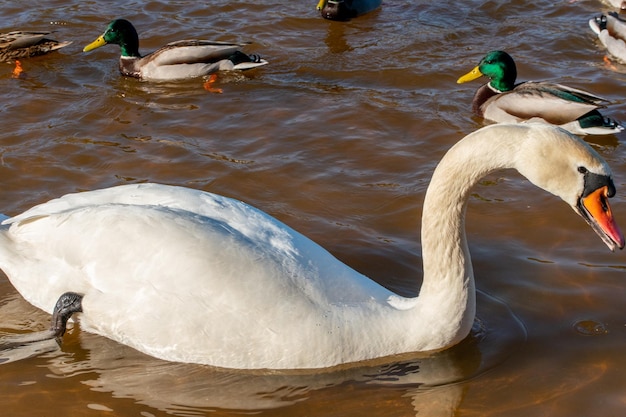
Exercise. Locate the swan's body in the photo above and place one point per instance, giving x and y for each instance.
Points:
(501, 100)
(190, 276)
(176, 60)
(611, 31)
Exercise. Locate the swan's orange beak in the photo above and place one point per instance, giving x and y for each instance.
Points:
(595, 209)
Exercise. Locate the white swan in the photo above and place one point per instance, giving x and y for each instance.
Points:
(190, 276)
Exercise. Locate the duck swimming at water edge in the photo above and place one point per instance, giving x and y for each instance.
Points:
(176, 60)
(503, 101)
(190, 276)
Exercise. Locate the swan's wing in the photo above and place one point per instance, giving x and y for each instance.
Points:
(554, 103)
(157, 278)
(248, 220)
(152, 227)
(132, 194)
(145, 246)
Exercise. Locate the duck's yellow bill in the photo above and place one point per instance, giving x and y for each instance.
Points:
(320, 5)
(95, 44)
(472, 75)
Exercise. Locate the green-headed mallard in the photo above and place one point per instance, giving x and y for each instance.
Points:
(503, 101)
(20, 44)
(611, 31)
(346, 9)
(176, 60)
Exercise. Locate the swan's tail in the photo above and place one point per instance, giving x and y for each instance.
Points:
(7, 252)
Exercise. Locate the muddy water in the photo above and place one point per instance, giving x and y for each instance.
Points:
(337, 137)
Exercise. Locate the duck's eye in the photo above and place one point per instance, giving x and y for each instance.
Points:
(582, 170)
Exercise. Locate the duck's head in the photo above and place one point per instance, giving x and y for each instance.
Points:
(498, 66)
(572, 170)
(120, 32)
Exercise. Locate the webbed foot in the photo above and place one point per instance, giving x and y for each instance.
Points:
(68, 304)
(208, 85)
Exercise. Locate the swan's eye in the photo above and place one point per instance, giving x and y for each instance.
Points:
(582, 170)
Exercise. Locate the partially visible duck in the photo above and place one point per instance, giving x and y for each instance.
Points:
(501, 100)
(611, 31)
(618, 4)
(20, 44)
(346, 9)
(176, 60)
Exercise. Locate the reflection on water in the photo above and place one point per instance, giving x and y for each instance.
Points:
(337, 137)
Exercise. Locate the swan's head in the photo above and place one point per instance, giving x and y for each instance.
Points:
(567, 167)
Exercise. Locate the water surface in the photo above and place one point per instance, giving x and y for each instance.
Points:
(338, 138)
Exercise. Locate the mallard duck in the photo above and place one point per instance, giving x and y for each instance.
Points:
(611, 31)
(176, 60)
(190, 276)
(503, 101)
(346, 9)
(20, 44)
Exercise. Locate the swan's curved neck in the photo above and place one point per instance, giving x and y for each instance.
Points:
(447, 295)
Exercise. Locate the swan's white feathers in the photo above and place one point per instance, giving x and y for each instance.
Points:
(148, 246)
(191, 276)
(570, 156)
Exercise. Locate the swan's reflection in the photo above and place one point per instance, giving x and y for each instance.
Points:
(424, 385)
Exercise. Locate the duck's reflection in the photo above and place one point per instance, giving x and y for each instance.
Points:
(335, 38)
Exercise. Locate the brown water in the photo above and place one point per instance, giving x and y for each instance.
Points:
(337, 137)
